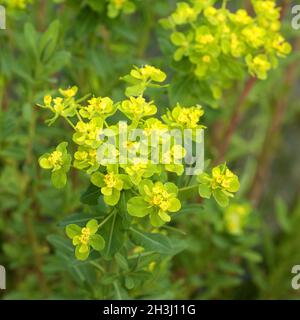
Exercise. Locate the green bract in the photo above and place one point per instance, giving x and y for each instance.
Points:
(59, 161)
(84, 238)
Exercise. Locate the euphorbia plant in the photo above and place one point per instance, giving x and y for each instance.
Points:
(219, 46)
(140, 195)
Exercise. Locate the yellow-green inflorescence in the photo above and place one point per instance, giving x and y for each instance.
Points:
(145, 185)
(219, 43)
(235, 218)
(115, 7)
(221, 184)
(59, 162)
(85, 238)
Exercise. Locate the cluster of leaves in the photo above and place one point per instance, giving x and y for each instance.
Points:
(220, 44)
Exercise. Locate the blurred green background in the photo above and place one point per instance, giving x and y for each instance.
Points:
(89, 48)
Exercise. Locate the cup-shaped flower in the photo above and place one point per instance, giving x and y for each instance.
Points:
(88, 133)
(147, 73)
(85, 238)
(98, 107)
(59, 161)
(184, 118)
(141, 78)
(138, 169)
(111, 185)
(85, 158)
(69, 93)
(137, 108)
(157, 200)
(222, 183)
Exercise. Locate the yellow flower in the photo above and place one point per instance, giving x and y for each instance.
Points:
(47, 100)
(87, 133)
(241, 17)
(259, 65)
(184, 13)
(254, 36)
(102, 107)
(137, 107)
(69, 93)
(235, 218)
(148, 72)
(185, 118)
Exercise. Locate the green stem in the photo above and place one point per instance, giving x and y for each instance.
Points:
(78, 115)
(98, 266)
(188, 188)
(70, 123)
(107, 218)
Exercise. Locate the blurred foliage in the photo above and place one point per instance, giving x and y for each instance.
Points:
(89, 43)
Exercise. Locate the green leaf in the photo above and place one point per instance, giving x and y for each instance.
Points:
(129, 283)
(93, 226)
(97, 242)
(204, 191)
(81, 255)
(221, 198)
(121, 261)
(113, 234)
(73, 230)
(59, 179)
(151, 241)
(178, 38)
(97, 179)
(57, 61)
(91, 195)
(113, 199)
(282, 215)
(135, 90)
(49, 40)
(31, 38)
(138, 207)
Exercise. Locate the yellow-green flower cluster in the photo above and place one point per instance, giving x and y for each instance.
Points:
(59, 162)
(85, 238)
(222, 184)
(235, 218)
(221, 44)
(115, 7)
(185, 118)
(144, 182)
